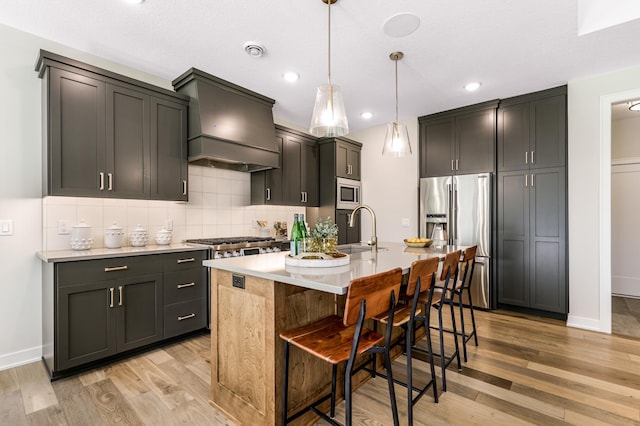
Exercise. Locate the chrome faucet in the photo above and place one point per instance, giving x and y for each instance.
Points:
(374, 238)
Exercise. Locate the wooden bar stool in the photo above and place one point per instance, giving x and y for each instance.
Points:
(443, 295)
(467, 265)
(409, 316)
(335, 340)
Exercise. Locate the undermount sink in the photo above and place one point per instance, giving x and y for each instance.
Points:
(357, 248)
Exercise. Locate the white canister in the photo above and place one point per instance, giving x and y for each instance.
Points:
(163, 237)
(81, 236)
(113, 236)
(139, 237)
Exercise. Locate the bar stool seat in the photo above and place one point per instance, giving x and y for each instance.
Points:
(336, 339)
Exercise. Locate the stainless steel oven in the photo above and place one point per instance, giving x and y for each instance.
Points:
(348, 193)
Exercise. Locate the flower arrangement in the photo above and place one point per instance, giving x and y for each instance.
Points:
(324, 237)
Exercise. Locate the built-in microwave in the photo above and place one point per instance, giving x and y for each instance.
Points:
(348, 193)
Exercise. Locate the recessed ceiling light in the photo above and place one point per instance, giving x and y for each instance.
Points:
(634, 106)
(291, 76)
(472, 86)
(366, 115)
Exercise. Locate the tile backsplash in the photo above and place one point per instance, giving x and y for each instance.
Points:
(218, 206)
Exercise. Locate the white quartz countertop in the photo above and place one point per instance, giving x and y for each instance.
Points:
(335, 280)
(53, 256)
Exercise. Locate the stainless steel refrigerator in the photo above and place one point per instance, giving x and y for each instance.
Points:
(456, 210)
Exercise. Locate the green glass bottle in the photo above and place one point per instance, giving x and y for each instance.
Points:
(303, 226)
(295, 236)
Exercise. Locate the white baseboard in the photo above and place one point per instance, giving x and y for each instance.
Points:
(584, 323)
(16, 359)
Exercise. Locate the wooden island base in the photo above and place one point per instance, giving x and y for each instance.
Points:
(247, 353)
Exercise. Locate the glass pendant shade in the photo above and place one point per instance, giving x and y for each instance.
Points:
(329, 118)
(396, 141)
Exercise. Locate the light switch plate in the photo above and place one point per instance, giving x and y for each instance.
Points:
(64, 227)
(6, 227)
(405, 222)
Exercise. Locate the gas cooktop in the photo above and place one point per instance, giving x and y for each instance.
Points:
(237, 246)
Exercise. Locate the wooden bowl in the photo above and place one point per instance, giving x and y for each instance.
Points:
(418, 245)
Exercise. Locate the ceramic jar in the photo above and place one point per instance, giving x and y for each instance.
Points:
(81, 236)
(113, 236)
(139, 237)
(163, 237)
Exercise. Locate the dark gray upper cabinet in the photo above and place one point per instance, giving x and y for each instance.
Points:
(458, 141)
(168, 166)
(532, 130)
(347, 159)
(109, 136)
(295, 183)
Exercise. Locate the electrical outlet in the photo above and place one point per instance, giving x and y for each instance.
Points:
(64, 227)
(169, 225)
(405, 222)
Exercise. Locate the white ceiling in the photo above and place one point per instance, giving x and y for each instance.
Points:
(512, 47)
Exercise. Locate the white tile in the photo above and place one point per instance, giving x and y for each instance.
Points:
(137, 203)
(57, 242)
(237, 218)
(195, 170)
(88, 201)
(194, 217)
(97, 233)
(158, 204)
(236, 230)
(195, 199)
(224, 186)
(211, 231)
(209, 216)
(194, 231)
(137, 216)
(195, 183)
(91, 214)
(57, 212)
(237, 186)
(209, 172)
(178, 214)
(210, 184)
(64, 201)
(114, 202)
(239, 200)
(157, 216)
(224, 217)
(209, 200)
(179, 233)
(117, 214)
(224, 201)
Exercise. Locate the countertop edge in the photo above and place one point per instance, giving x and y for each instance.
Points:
(57, 256)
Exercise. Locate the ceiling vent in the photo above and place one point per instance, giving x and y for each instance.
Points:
(253, 49)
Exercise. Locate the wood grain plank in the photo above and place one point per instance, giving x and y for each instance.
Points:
(111, 405)
(8, 381)
(50, 416)
(124, 379)
(12, 408)
(37, 392)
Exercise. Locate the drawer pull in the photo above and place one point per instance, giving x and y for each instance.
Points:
(186, 285)
(191, 259)
(116, 268)
(186, 317)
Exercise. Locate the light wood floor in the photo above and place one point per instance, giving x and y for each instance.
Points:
(527, 370)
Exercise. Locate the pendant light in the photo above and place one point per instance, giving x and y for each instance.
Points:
(329, 117)
(396, 140)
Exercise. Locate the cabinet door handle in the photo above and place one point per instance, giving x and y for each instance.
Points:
(121, 295)
(526, 180)
(184, 187)
(186, 317)
(268, 194)
(186, 285)
(532, 179)
(111, 297)
(457, 168)
(101, 181)
(110, 181)
(526, 157)
(452, 169)
(116, 268)
(187, 260)
(532, 157)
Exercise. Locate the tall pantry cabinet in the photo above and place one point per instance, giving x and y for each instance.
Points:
(532, 199)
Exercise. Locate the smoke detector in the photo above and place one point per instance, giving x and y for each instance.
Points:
(254, 49)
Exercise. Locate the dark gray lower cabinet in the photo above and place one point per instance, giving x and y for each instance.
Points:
(108, 306)
(532, 239)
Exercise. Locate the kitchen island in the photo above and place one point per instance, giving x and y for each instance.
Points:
(254, 298)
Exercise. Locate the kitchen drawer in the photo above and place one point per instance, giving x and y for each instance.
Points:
(70, 273)
(184, 260)
(183, 317)
(180, 286)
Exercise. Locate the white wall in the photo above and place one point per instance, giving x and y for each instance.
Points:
(589, 193)
(218, 198)
(625, 138)
(389, 185)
